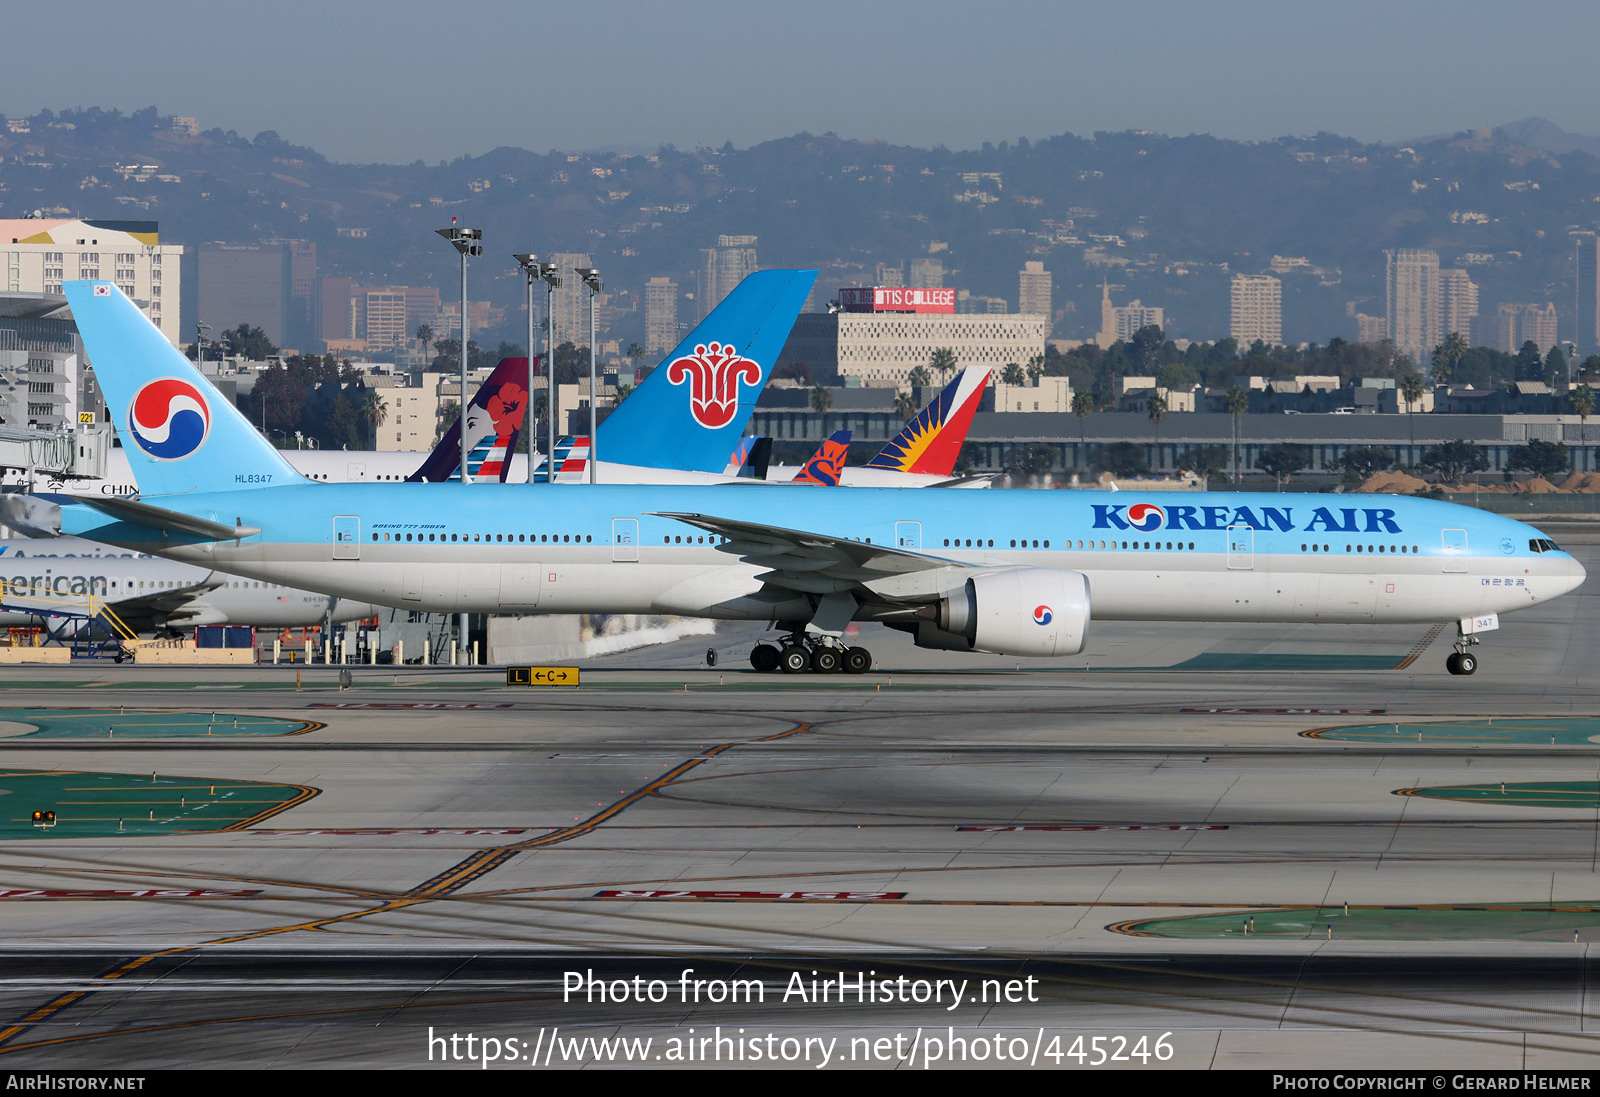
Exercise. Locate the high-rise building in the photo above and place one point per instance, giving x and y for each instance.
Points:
(723, 267)
(569, 306)
(41, 382)
(40, 254)
(1256, 308)
(660, 315)
(926, 274)
(1515, 324)
(1121, 321)
(1416, 322)
(1033, 290)
(245, 284)
(1458, 303)
(1588, 295)
(891, 275)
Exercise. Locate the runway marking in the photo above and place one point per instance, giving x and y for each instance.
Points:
(1422, 645)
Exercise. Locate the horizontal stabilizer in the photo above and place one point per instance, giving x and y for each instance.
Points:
(159, 518)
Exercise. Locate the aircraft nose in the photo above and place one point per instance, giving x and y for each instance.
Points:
(1567, 573)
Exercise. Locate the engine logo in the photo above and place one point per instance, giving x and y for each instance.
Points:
(1042, 615)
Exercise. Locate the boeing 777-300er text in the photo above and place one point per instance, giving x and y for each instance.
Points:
(1014, 572)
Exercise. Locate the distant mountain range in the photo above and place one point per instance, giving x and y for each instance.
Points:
(1167, 220)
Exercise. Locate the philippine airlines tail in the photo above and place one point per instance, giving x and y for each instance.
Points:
(689, 413)
(494, 423)
(931, 441)
(180, 433)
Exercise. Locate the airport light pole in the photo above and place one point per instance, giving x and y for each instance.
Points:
(591, 278)
(466, 242)
(530, 267)
(551, 276)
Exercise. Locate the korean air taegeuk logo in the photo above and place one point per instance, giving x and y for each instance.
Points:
(169, 419)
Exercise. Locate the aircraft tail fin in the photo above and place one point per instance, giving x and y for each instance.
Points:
(180, 433)
(494, 422)
(931, 441)
(690, 411)
(827, 464)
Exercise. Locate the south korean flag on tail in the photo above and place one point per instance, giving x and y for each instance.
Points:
(102, 291)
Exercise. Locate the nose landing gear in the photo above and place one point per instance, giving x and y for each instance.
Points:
(1462, 661)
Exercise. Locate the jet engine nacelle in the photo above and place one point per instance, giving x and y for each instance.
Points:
(1017, 611)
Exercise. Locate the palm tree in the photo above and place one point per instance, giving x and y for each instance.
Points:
(904, 405)
(1157, 408)
(373, 411)
(821, 400)
(1582, 399)
(919, 377)
(1035, 368)
(943, 360)
(425, 337)
(1083, 406)
(1238, 403)
(1013, 374)
(1447, 356)
(635, 352)
(1411, 391)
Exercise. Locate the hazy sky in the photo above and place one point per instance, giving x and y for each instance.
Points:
(404, 80)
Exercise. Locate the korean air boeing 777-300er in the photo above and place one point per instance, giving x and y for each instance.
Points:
(1013, 572)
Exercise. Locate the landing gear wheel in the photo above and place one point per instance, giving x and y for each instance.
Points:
(794, 659)
(857, 660)
(1462, 662)
(764, 658)
(825, 660)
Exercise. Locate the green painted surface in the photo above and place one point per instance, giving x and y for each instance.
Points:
(67, 723)
(1529, 794)
(1489, 731)
(100, 805)
(1534, 921)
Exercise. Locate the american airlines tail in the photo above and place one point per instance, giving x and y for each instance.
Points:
(494, 422)
(931, 442)
(180, 435)
(689, 413)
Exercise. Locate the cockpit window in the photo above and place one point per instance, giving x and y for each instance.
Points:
(1542, 544)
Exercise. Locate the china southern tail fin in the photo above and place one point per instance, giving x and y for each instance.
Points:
(494, 422)
(691, 410)
(827, 464)
(931, 441)
(180, 433)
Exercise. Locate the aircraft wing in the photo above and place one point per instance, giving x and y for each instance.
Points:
(146, 611)
(818, 563)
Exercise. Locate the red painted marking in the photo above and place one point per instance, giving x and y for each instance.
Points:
(403, 704)
(1291, 711)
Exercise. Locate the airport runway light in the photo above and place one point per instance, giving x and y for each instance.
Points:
(530, 267)
(591, 278)
(467, 242)
(550, 274)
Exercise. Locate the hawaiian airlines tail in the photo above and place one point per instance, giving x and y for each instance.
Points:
(827, 464)
(931, 442)
(494, 422)
(689, 413)
(179, 435)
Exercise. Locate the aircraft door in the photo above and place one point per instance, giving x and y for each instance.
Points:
(1455, 550)
(1241, 548)
(908, 535)
(346, 537)
(624, 540)
(355, 472)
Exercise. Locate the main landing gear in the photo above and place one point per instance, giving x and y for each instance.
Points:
(799, 654)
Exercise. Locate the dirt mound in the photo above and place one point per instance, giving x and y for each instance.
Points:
(1539, 486)
(1582, 481)
(1392, 483)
